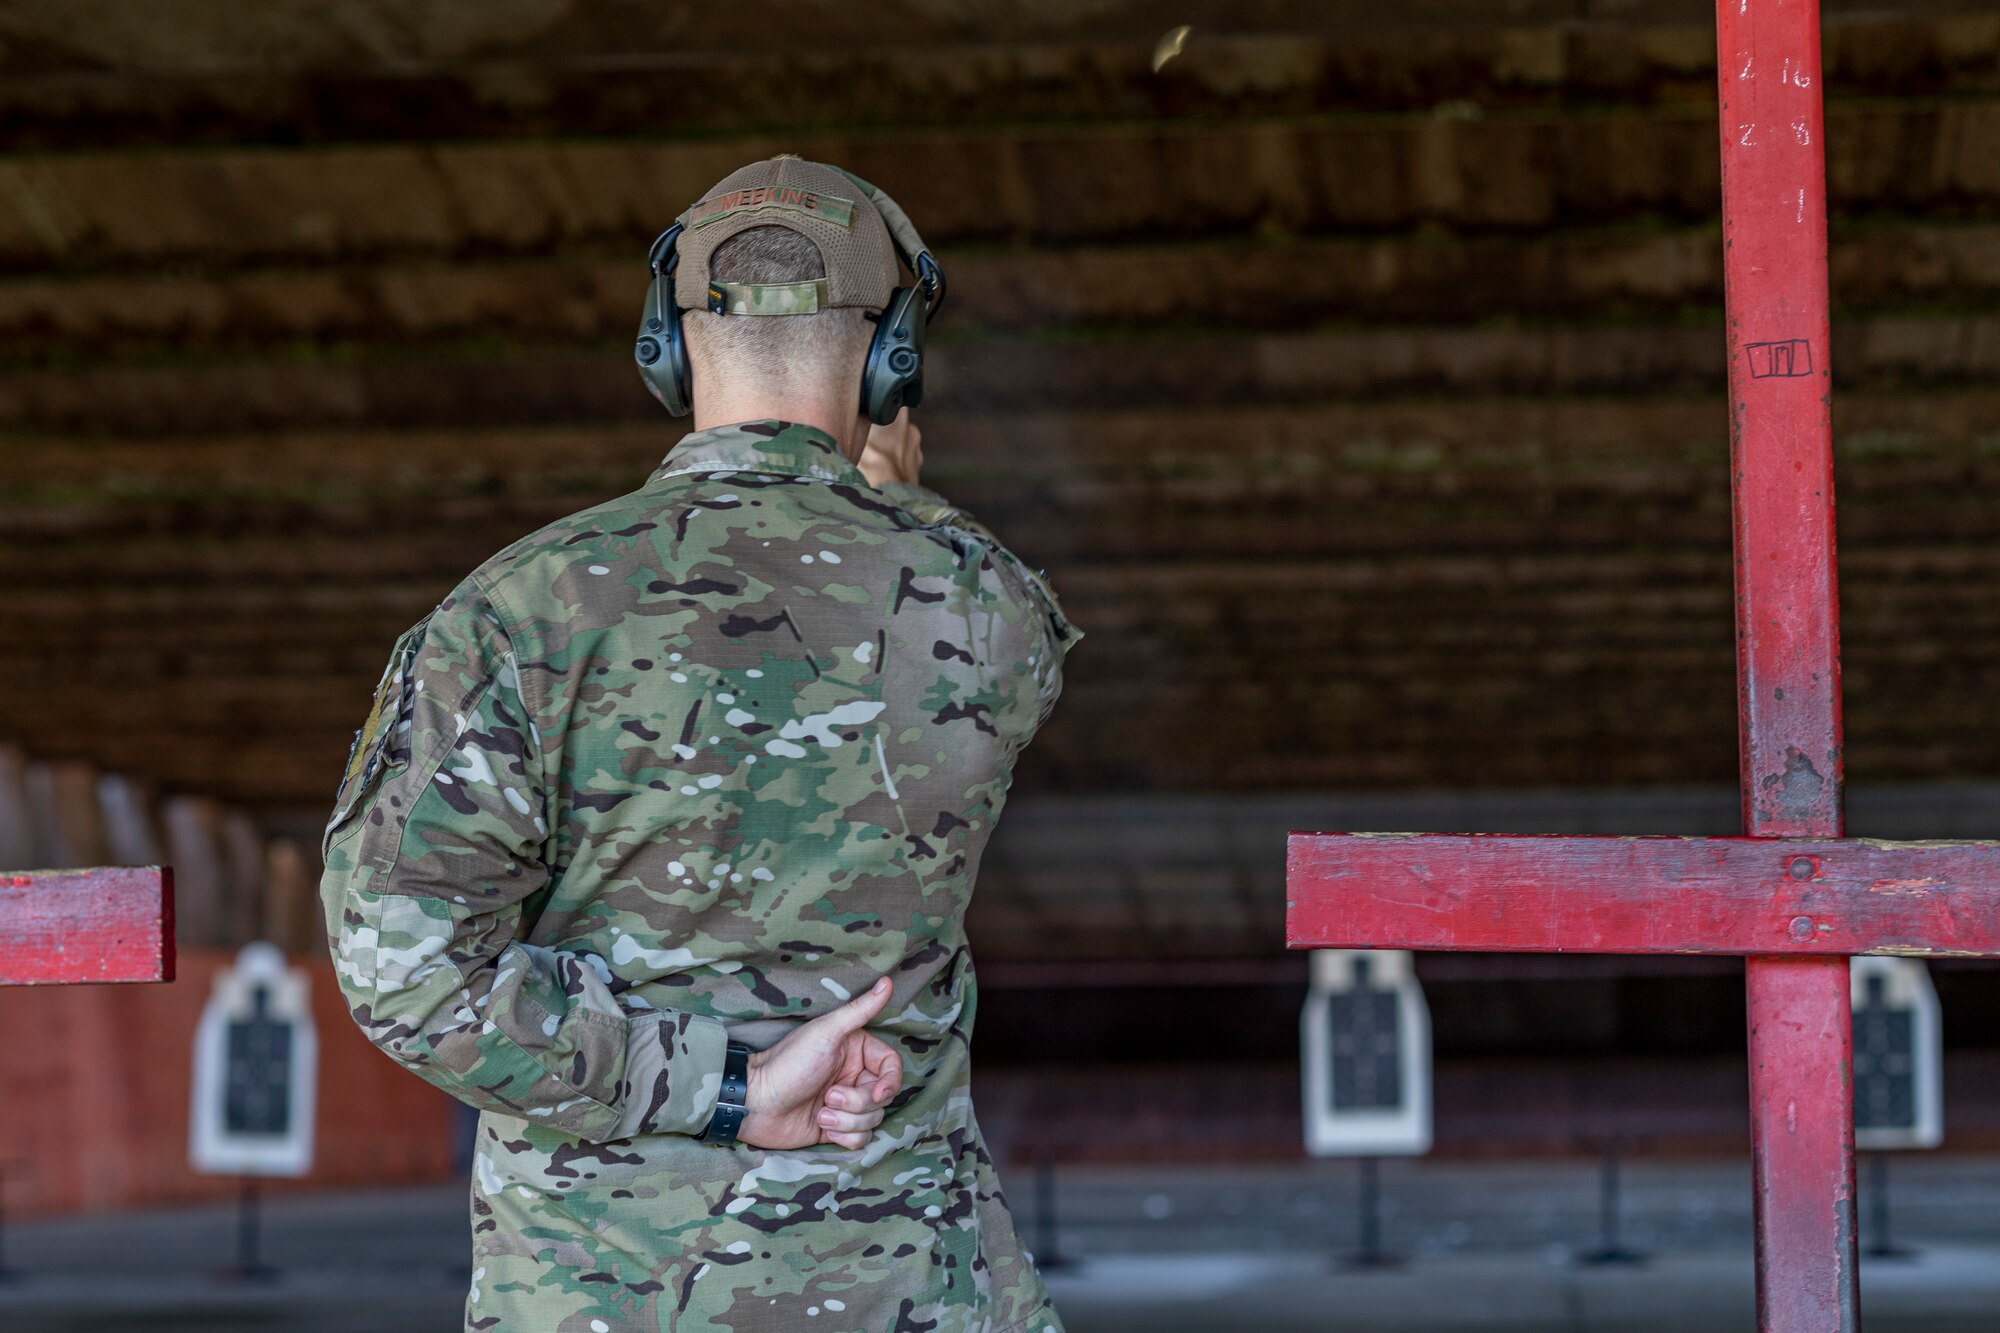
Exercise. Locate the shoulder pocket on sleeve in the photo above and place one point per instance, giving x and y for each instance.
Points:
(383, 742)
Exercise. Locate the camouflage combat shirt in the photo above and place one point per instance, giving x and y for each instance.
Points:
(693, 765)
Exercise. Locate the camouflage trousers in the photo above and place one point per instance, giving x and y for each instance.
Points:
(664, 1234)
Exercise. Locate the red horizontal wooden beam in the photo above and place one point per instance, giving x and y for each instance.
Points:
(69, 926)
(1535, 894)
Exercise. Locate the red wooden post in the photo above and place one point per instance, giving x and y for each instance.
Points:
(1794, 897)
(1787, 638)
(69, 926)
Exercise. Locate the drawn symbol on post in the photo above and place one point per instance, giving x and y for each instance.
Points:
(1788, 359)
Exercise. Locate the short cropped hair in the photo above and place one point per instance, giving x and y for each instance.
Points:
(791, 350)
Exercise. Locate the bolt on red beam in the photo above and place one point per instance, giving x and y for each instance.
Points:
(1788, 657)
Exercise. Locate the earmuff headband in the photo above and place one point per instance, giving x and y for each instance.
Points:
(909, 245)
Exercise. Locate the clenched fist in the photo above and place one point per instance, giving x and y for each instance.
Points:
(826, 1081)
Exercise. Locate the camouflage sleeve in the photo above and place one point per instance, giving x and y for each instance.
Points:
(1060, 634)
(434, 856)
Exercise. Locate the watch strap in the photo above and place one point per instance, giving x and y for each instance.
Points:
(730, 1103)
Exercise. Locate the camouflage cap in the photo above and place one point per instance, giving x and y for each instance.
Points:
(819, 202)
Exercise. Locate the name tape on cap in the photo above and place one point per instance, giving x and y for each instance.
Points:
(786, 198)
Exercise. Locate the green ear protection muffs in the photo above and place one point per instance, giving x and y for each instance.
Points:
(891, 378)
(893, 375)
(662, 351)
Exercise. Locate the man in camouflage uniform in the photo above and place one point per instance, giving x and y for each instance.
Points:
(713, 762)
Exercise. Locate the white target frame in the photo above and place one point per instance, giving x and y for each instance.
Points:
(212, 1148)
(1907, 985)
(1332, 1131)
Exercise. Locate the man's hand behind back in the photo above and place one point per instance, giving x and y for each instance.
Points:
(826, 1081)
(894, 452)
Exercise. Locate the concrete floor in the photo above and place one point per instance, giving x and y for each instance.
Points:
(1489, 1247)
(1943, 1292)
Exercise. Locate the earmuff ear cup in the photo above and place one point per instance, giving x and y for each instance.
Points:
(894, 375)
(661, 350)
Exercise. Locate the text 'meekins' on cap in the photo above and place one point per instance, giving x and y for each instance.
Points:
(789, 198)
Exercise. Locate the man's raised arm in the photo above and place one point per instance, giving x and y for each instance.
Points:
(892, 460)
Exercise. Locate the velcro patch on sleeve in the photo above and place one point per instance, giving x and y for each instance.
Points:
(384, 738)
(784, 198)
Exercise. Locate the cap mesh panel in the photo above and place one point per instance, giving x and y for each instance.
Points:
(861, 268)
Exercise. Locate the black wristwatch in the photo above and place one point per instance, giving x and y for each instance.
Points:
(729, 1105)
